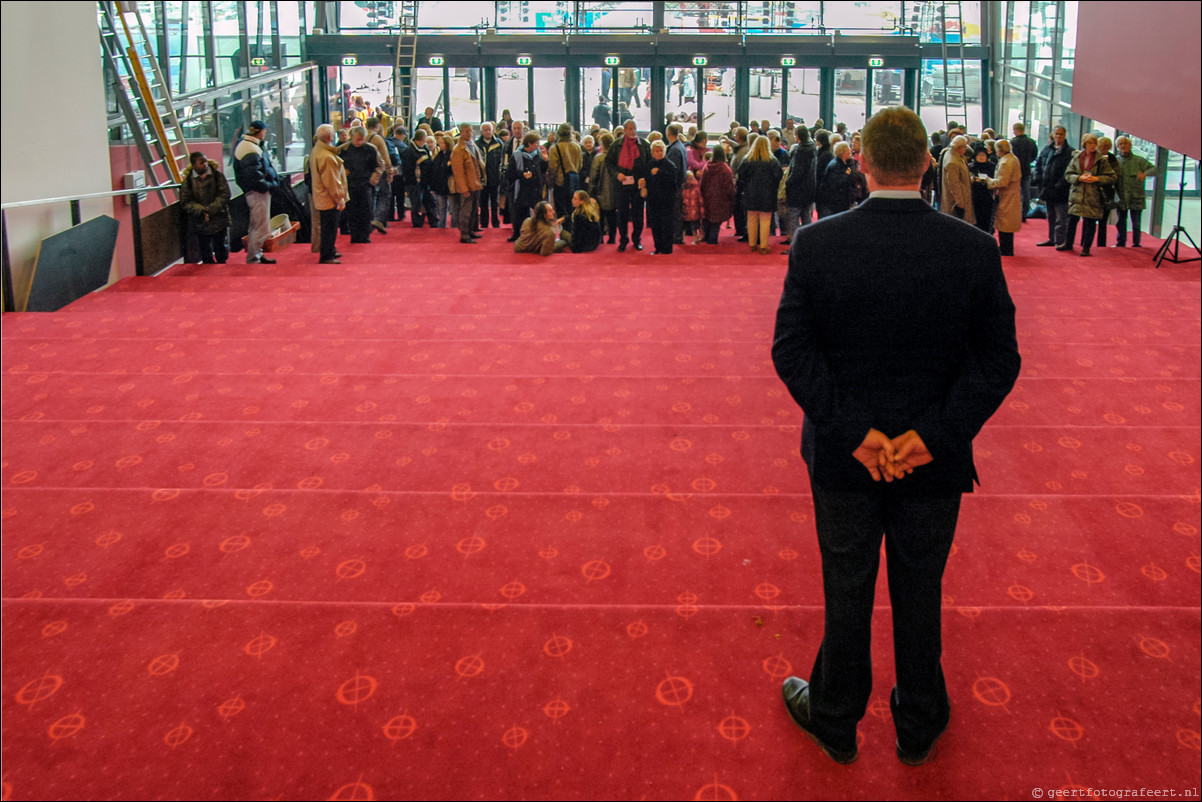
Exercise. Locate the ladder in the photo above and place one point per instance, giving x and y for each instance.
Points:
(405, 73)
(142, 93)
(955, 86)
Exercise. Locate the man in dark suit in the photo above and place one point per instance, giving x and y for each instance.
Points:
(629, 159)
(895, 335)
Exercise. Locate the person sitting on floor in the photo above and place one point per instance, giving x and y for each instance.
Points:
(582, 228)
(539, 231)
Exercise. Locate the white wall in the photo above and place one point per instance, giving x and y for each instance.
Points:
(52, 73)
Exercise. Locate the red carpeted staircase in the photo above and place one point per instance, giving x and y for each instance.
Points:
(449, 522)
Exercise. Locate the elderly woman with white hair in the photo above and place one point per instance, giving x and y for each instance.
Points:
(1008, 182)
(957, 182)
(658, 186)
(836, 188)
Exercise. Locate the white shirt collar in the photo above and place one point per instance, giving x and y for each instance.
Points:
(908, 194)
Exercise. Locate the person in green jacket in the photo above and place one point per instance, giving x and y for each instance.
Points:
(1132, 171)
(1087, 174)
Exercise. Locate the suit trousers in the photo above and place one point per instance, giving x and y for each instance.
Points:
(678, 216)
(918, 532)
(467, 215)
(1058, 222)
(358, 212)
(329, 233)
(488, 206)
(660, 221)
(1026, 191)
(1136, 214)
(383, 200)
(630, 210)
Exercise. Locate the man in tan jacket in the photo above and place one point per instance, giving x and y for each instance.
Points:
(957, 182)
(382, 192)
(329, 191)
(466, 165)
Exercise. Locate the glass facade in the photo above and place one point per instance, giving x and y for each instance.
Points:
(1035, 51)
(228, 62)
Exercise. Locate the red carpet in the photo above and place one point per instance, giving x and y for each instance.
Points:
(458, 523)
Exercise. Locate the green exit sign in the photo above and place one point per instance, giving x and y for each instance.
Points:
(349, 61)
(876, 62)
(437, 61)
(788, 61)
(612, 61)
(700, 61)
(258, 61)
(525, 61)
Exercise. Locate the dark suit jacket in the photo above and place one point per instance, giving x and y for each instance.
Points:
(895, 317)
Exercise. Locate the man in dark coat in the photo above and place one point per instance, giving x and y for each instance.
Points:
(1054, 187)
(893, 397)
(416, 162)
(204, 195)
(429, 119)
(526, 168)
(679, 156)
(628, 159)
(493, 151)
(801, 187)
(1026, 151)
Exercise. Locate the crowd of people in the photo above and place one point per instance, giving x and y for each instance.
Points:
(576, 191)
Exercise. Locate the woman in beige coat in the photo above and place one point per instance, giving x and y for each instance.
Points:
(1007, 181)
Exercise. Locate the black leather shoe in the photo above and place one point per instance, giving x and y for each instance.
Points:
(1044, 244)
(638, 246)
(1065, 247)
(329, 262)
(796, 692)
(622, 247)
(919, 757)
(263, 260)
(474, 235)
(512, 239)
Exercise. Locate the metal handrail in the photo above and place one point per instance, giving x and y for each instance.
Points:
(76, 198)
(135, 225)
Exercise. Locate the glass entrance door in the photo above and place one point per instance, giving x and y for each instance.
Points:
(598, 98)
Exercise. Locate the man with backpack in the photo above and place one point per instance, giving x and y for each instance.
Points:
(382, 205)
(564, 159)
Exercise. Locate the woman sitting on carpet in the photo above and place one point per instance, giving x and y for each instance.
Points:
(582, 228)
(539, 232)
